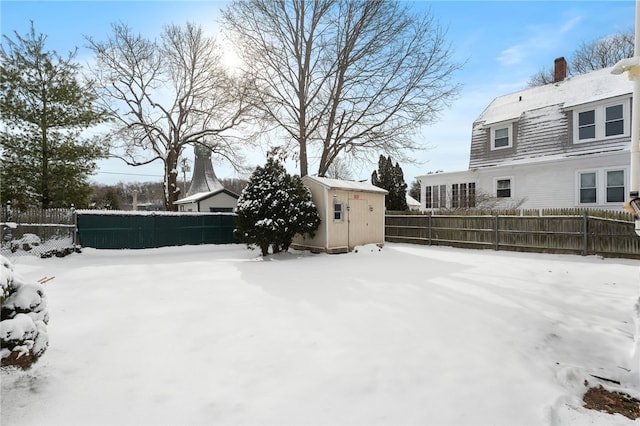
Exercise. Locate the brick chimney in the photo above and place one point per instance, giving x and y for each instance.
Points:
(559, 69)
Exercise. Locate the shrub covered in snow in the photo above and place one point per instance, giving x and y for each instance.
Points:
(26, 243)
(273, 208)
(23, 318)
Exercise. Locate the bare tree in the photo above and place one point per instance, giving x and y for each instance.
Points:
(339, 169)
(602, 53)
(344, 77)
(542, 77)
(166, 95)
(590, 56)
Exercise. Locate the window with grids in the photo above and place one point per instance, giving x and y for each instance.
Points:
(338, 212)
(503, 188)
(501, 136)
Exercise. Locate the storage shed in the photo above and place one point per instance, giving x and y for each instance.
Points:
(221, 200)
(351, 214)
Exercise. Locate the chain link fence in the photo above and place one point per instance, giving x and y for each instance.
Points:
(37, 232)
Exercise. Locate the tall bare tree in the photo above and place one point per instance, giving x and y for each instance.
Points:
(590, 56)
(166, 95)
(344, 77)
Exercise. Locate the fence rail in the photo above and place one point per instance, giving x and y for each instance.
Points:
(585, 233)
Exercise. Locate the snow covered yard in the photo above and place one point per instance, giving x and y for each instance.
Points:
(406, 335)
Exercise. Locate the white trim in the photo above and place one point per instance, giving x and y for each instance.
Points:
(511, 186)
(601, 185)
(599, 109)
(500, 126)
(578, 187)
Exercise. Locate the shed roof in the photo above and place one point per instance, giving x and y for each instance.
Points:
(348, 185)
(582, 89)
(204, 195)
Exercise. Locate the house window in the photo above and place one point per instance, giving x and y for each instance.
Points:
(338, 212)
(601, 122)
(587, 125)
(614, 121)
(615, 186)
(427, 197)
(443, 196)
(472, 194)
(501, 137)
(503, 188)
(463, 195)
(455, 191)
(588, 190)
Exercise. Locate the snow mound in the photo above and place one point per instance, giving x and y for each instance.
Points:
(367, 248)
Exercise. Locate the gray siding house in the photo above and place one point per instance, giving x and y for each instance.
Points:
(565, 144)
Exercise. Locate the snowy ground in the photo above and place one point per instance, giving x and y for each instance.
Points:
(406, 335)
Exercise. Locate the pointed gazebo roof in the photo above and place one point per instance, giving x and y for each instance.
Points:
(204, 178)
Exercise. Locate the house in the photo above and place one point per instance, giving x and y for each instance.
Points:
(351, 214)
(564, 144)
(206, 193)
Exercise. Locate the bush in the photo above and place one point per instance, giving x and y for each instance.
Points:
(273, 208)
(23, 319)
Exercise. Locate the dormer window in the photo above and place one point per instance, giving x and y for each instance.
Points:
(601, 122)
(501, 136)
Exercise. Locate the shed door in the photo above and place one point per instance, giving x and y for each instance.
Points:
(359, 226)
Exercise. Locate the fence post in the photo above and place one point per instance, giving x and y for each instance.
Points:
(496, 232)
(429, 225)
(585, 234)
(75, 227)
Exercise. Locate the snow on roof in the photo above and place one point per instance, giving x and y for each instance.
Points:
(200, 196)
(349, 185)
(578, 90)
(412, 201)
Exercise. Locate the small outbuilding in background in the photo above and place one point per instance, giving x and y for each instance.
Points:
(351, 214)
(206, 193)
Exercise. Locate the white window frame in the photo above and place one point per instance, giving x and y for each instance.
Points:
(500, 126)
(341, 211)
(625, 186)
(511, 186)
(601, 185)
(579, 174)
(600, 117)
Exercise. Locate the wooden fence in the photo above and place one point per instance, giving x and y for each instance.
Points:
(609, 234)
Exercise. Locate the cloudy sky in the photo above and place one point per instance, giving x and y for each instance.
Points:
(503, 43)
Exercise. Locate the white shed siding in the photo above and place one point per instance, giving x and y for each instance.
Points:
(220, 200)
(363, 215)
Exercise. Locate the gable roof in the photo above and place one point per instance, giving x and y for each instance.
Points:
(412, 201)
(204, 195)
(347, 185)
(582, 89)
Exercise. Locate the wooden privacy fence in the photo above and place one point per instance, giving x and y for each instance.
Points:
(578, 232)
